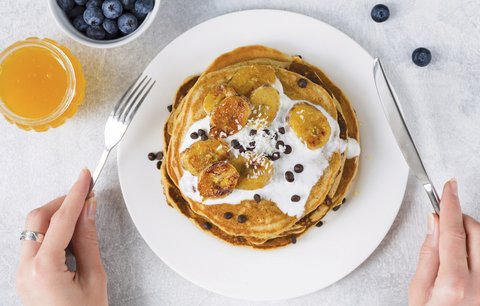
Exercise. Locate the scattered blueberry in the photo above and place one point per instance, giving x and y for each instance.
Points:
(80, 24)
(127, 23)
(96, 32)
(421, 57)
(80, 2)
(76, 11)
(93, 16)
(380, 13)
(112, 9)
(128, 4)
(95, 3)
(66, 5)
(144, 6)
(110, 26)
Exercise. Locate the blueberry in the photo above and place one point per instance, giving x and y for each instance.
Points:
(421, 57)
(80, 24)
(95, 3)
(96, 32)
(140, 16)
(80, 2)
(112, 9)
(128, 4)
(66, 5)
(144, 6)
(93, 16)
(110, 26)
(76, 11)
(380, 13)
(127, 23)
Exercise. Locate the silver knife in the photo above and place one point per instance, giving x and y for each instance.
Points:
(393, 112)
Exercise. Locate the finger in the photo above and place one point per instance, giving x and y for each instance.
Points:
(427, 266)
(63, 222)
(38, 220)
(85, 244)
(472, 227)
(453, 244)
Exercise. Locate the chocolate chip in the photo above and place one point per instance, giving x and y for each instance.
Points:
(228, 215)
(159, 155)
(252, 144)
(201, 132)
(298, 168)
(194, 135)
(319, 224)
(288, 149)
(279, 143)
(253, 132)
(295, 198)
(151, 156)
(266, 131)
(170, 107)
(344, 200)
(289, 176)
(281, 130)
(207, 225)
(235, 143)
(275, 136)
(242, 219)
(275, 156)
(293, 239)
(337, 207)
(241, 149)
(159, 164)
(302, 83)
(257, 197)
(299, 56)
(204, 137)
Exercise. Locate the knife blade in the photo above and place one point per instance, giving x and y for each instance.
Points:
(395, 118)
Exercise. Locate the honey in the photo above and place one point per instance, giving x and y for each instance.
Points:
(41, 84)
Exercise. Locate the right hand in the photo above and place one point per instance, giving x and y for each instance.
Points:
(448, 270)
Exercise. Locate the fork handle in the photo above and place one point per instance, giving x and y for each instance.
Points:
(100, 165)
(433, 196)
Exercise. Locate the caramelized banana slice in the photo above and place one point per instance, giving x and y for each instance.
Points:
(265, 102)
(229, 117)
(255, 171)
(217, 180)
(246, 79)
(202, 153)
(310, 125)
(216, 96)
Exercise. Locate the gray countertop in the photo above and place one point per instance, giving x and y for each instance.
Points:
(440, 101)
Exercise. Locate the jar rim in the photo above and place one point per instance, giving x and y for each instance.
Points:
(71, 81)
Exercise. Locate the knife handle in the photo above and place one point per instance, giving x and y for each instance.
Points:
(433, 196)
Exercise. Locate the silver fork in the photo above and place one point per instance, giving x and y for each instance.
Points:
(121, 117)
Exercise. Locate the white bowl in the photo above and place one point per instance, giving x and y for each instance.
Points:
(65, 24)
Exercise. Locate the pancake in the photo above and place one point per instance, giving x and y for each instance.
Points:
(236, 137)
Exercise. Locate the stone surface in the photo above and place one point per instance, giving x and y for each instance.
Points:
(441, 103)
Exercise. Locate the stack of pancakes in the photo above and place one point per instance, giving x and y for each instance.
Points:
(226, 92)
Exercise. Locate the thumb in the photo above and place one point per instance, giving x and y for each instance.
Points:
(427, 266)
(85, 244)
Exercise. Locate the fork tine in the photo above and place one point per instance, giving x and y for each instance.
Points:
(129, 105)
(132, 113)
(118, 111)
(117, 105)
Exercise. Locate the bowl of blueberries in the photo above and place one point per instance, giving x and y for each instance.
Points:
(104, 23)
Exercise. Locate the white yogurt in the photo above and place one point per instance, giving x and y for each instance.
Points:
(278, 189)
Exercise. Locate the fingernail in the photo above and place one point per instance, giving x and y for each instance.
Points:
(431, 224)
(91, 208)
(454, 186)
(82, 173)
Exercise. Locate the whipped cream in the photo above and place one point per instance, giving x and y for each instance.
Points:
(279, 190)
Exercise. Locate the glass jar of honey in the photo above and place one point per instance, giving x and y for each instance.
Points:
(41, 84)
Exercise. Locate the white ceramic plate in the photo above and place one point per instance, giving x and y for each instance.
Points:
(323, 255)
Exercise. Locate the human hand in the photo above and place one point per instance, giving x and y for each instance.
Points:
(448, 269)
(42, 275)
